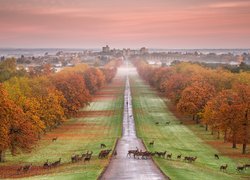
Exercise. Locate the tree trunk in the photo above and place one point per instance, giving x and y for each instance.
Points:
(234, 141)
(193, 117)
(197, 120)
(225, 136)
(244, 148)
(218, 135)
(245, 138)
(2, 156)
(206, 127)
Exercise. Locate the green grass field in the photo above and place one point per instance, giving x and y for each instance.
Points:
(75, 137)
(177, 139)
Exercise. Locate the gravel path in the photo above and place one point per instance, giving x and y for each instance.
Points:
(123, 167)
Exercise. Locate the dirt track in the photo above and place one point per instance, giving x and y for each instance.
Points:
(123, 167)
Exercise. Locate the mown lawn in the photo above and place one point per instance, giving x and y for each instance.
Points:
(177, 139)
(75, 137)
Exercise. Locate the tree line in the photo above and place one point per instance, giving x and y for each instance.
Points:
(215, 98)
(35, 102)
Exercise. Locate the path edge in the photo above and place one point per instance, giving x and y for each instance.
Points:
(106, 167)
(154, 161)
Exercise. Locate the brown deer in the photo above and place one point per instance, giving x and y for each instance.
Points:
(75, 158)
(169, 156)
(103, 145)
(27, 168)
(216, 156)
(247, 165)
(179, 156)
(168, 122)
(240, 168)
(46, 164)
(56, 163)
(152, 143)
(161, 154)
(132, 152)
(54, 139)
(88, 157)
(20, 169)
(223, 167)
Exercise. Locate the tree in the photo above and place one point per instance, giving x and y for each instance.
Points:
(194, 98)
(16, 132)
(74, 90)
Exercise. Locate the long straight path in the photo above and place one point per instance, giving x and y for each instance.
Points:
(123, 167)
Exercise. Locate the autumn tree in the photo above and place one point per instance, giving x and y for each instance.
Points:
(16, 132)
(74, 90)
(194, 98)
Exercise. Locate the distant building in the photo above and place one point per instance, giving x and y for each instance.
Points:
(143, 50)
(106, 49)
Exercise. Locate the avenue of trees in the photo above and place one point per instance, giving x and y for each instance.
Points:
(216, 98)
(34, 102)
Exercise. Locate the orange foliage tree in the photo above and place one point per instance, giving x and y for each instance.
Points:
(16, 132)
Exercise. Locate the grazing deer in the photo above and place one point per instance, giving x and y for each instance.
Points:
(247, 165)
(20, 169)
(168, 122)
(240, 168)
(223, 167)
(103, 145)
(46, 164)
(179, 156)
(54, 164)
(54, 139)
(75, 158)
(161, 154)
(156, 123)
(169, 156)
(216, 156)
(151, 143)
(192, 159)
(88, 157)
(84, 155)
(27, 168)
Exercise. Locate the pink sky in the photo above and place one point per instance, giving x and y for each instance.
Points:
(125, 23)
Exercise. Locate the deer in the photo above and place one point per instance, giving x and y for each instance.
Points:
(54, 139)
(169, 156)
(216, 156)
(27, 168)
(192, 159)
(75, 158)
(223, 167)
(132, 151)
(179, 156)
(103, 145)
(240, 168)
(247, 165)
(46, 164)
(168, 122)
(56, 163)
(152, 143)
(20, 169)
(161, 153)
(88, 157)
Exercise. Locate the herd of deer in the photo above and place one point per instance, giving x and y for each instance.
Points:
(146, 154)
(167, 123)
(86, 157)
